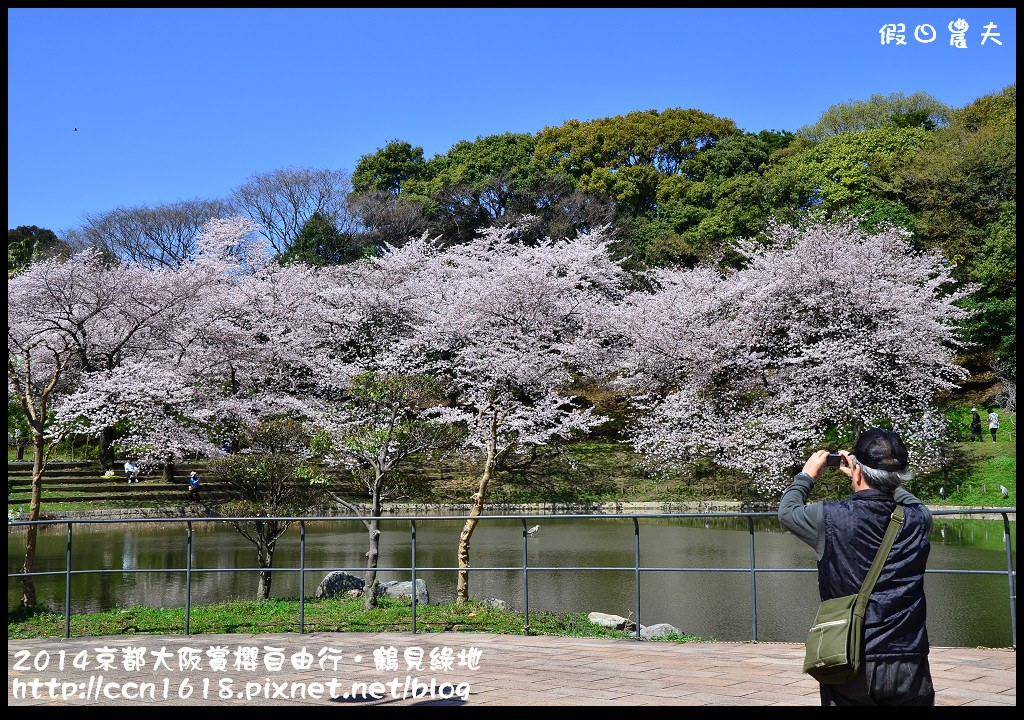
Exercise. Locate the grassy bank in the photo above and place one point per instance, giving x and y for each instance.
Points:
(321, 615)
(974, 476)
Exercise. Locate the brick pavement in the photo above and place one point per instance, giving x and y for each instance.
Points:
(509, 670)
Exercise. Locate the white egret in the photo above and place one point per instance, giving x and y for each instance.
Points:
(533, 531)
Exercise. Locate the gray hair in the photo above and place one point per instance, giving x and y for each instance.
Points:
(884, 480)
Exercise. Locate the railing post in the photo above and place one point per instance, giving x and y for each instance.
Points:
(302, 577)
(413, 564)
(636, 569)
(526, 584)
(1009, 574)
(753, 577)
(67, 589)
(188, 580)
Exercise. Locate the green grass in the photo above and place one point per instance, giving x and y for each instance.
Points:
(321, 615)
(974, 476)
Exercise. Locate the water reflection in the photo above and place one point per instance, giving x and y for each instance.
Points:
(963, 610)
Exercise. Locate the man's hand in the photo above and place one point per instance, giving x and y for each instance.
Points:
(849, 466)
(816, 464)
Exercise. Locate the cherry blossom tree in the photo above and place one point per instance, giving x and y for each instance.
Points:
(826, 331)
(160, 336)
(265, 344)
(67, 320)
(504, 324)
(368, 409)
(36, 363)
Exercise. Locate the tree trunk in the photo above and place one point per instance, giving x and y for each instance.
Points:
(168, 473)
(28, 597)
(266, 560)
(107, 448)
(462, 589)
(370, 587)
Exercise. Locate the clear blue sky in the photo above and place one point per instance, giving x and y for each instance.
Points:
(174, 104)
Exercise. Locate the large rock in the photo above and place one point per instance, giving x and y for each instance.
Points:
(496, 603)
(612, 622)
(403, 588)
(338, 583)
(660, 630)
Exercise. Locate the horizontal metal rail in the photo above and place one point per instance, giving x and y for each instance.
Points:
(637, 569)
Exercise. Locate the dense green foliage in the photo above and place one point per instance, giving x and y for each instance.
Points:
(27, 243)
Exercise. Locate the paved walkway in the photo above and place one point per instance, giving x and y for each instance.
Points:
(457, 669)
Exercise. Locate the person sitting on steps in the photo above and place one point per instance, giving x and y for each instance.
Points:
(193, 486)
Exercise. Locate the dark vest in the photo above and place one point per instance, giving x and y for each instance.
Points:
(894, 625)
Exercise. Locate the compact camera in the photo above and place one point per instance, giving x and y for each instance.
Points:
(834, 460)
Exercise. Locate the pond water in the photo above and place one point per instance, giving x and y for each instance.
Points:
(963, 610)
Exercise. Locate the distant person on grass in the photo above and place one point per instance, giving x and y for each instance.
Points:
(975, 425)
(993, 423)
(193, 486)
(845, 536)
(131, 470)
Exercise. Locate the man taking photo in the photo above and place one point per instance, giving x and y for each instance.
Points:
(845, 536)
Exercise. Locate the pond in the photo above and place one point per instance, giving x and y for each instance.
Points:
(963, 610)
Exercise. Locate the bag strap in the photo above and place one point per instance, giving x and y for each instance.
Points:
(895, 523)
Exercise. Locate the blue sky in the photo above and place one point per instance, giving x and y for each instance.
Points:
(174, 104)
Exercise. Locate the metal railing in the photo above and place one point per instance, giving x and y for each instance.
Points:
(525, 568)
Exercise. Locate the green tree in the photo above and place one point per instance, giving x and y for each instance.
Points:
(846, 169)
(896, 109)
(627, 157)
(27, 243)
(959, 182)
(876, 212)
(723, 197)
(18, 429)
(388, 168)
(994, 325)
(914, 118)
(320, 242)
(496, 179)
(736, 155)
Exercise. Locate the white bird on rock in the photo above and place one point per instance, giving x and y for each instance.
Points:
(533, 531)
